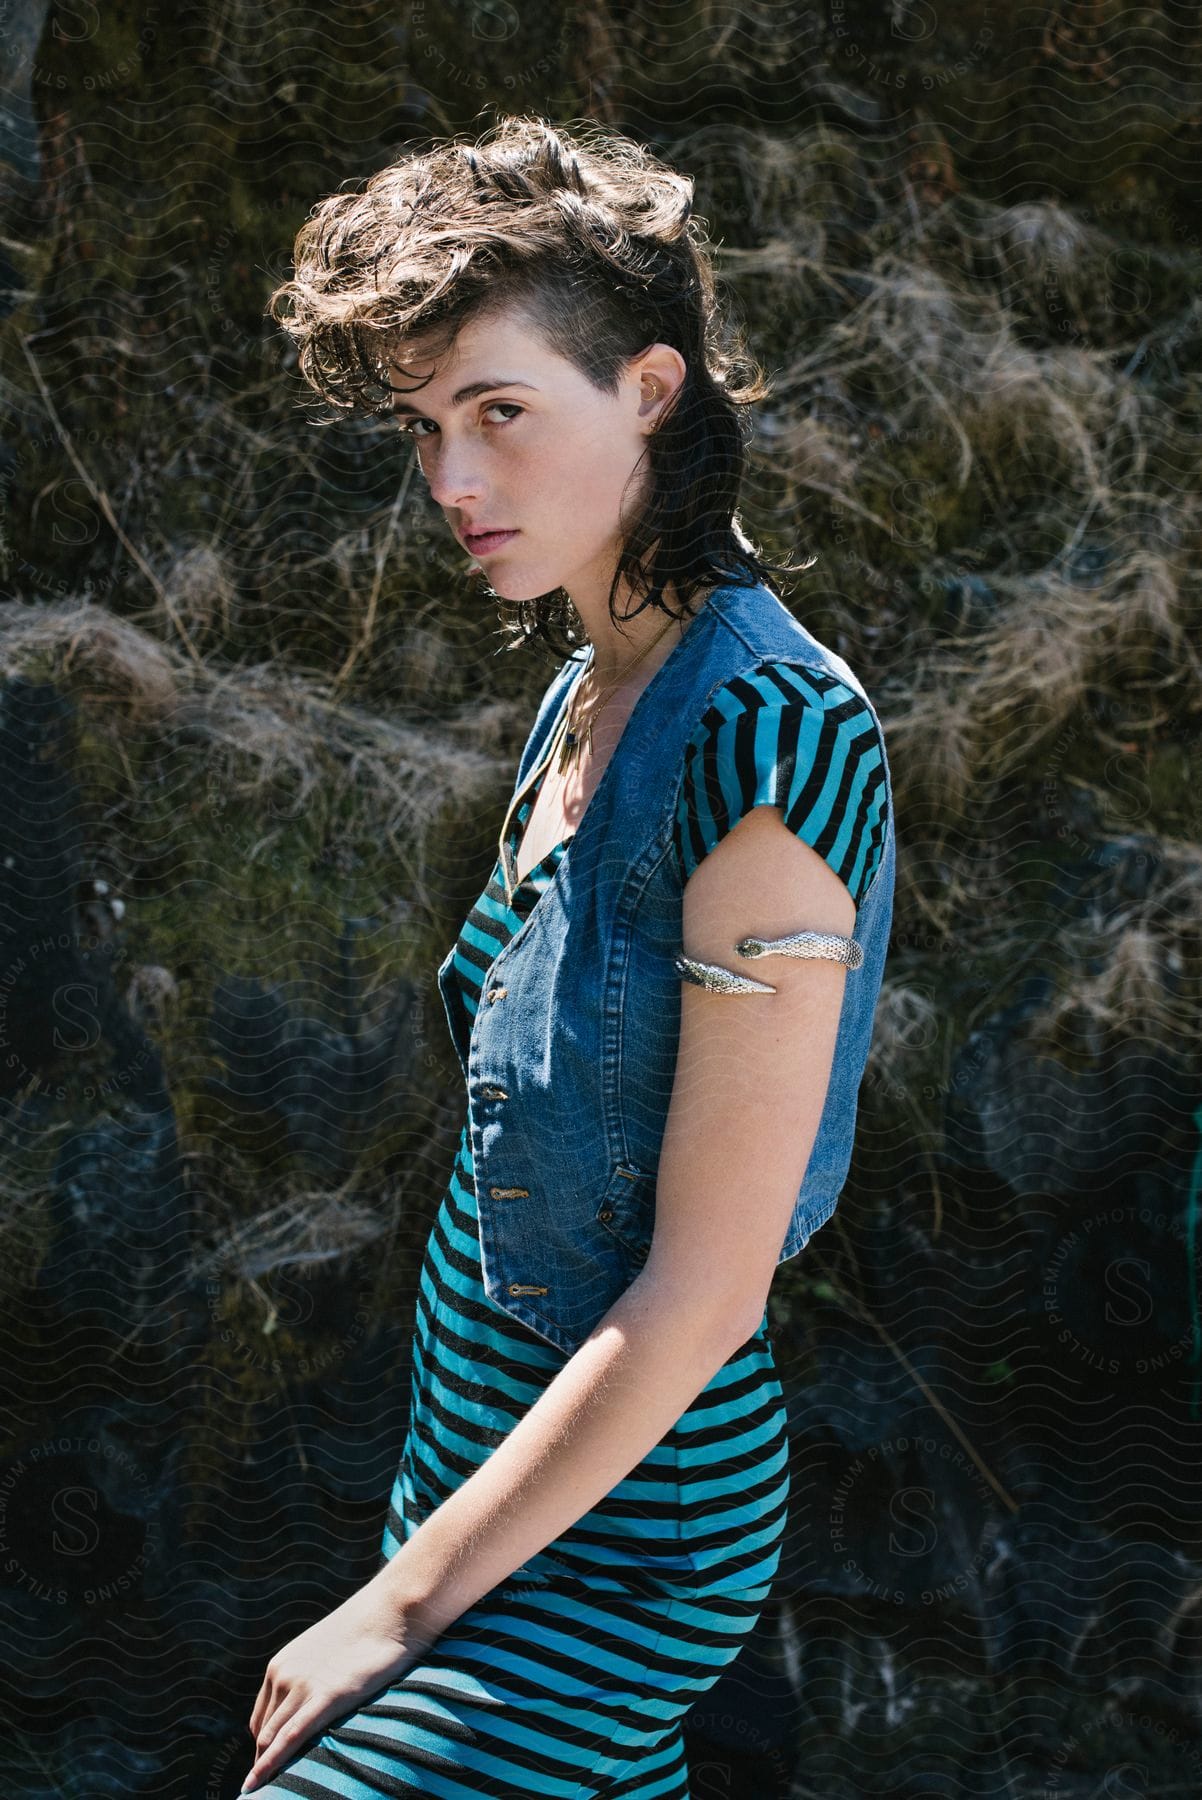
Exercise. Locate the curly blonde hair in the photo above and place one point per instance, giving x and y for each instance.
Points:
(595, 240)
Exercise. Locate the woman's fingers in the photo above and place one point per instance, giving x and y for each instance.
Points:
(276, 1721)
(285, 1737)
(263, 1705)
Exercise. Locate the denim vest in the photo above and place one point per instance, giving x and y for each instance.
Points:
(570, 1059)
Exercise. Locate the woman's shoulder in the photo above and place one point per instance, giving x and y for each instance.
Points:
(789, 681)
(793, 734)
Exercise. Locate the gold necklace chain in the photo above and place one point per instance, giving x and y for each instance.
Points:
(564, 731)
(573, 737)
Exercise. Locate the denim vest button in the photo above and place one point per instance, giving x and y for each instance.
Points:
(605, 1216)
(496, 993)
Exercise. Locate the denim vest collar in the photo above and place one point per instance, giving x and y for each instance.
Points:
(570, 1058)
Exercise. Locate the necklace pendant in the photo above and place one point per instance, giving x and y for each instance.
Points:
(567, 750)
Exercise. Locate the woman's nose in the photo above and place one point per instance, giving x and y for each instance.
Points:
(453, 482)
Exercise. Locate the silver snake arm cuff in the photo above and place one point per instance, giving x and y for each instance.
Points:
(717, 979)
(828, 945)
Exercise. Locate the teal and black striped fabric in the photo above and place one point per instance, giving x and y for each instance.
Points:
(795, 738)
(573, 1677)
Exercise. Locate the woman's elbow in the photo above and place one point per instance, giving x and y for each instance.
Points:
(708, 1314)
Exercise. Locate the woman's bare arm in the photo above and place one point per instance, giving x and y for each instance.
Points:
(642, 1366)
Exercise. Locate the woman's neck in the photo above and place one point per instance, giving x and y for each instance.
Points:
(615, 652)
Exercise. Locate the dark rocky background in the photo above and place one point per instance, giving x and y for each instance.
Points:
(255, 742)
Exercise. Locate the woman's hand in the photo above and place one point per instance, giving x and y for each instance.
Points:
(348, 1656)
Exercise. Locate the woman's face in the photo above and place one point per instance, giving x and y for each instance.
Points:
(537, 450)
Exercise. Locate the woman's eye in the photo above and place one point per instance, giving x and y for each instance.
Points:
(409, 428)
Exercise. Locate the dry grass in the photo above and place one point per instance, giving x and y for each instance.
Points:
(255, 731)
(311, 1226)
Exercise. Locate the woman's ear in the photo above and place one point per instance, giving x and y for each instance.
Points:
(658, 373)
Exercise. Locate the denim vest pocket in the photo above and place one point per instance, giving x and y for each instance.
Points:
(627, 1209)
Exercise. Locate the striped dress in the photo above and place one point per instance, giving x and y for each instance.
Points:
(574, 1676)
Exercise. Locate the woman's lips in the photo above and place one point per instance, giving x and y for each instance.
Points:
(489, 541)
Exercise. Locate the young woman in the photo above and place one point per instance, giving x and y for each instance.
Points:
(660, 1008)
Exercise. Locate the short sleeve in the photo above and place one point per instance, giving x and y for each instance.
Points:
(796, 738)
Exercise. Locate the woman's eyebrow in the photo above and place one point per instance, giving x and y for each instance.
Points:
(469, 392)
